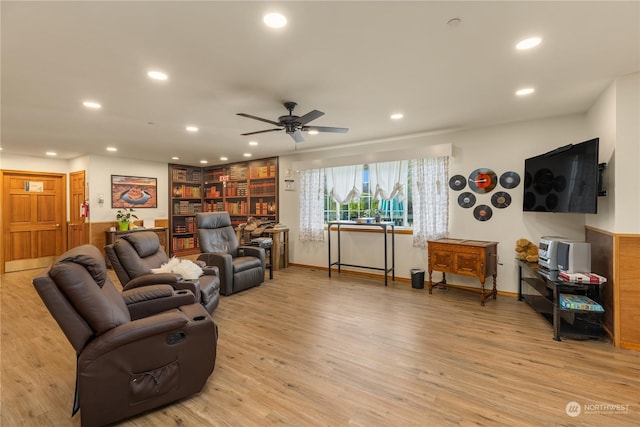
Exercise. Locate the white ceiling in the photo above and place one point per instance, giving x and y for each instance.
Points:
(356, 61)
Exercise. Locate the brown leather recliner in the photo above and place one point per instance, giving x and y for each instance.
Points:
(125, 366)
(132, 257)
(241, 267)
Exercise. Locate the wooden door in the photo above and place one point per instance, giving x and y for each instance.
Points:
(33, 217)
(78, 233)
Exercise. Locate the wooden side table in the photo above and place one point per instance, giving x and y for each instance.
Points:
(280, 246)
(475, 258)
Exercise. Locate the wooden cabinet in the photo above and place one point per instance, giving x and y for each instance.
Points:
(474, 258)
(243, 189)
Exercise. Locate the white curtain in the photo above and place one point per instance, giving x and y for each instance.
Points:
(430, 199)
(386, 180)
(344, 183)
(312, 205)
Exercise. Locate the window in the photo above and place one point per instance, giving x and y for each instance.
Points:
(367, 205)
(410, 193)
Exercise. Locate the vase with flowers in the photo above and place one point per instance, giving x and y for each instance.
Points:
(124, 217)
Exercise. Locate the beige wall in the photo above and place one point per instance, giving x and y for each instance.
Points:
(615, 117)
(501, 148)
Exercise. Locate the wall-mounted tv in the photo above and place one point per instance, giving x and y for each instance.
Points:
(563, 180)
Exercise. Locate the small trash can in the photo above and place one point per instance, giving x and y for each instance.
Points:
(417, 278)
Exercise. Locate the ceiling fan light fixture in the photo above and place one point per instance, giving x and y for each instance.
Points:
(313, 132)
(293, 125)
(274, 20)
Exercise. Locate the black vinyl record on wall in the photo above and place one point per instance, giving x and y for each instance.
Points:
(482, 213)
(457, 182)
(466, 199)
(509, 180)
(501, 200)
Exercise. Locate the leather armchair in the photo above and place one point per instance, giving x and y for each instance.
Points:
(134, 255)
(241, 267)
(125, 366)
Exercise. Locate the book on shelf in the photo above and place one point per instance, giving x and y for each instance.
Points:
(579, 302)
(582, 278)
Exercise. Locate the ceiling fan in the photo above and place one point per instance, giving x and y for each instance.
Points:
(294, 125)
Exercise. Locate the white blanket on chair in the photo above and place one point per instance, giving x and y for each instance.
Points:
(188, 269)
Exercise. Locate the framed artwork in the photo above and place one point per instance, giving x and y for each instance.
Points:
(134, 192)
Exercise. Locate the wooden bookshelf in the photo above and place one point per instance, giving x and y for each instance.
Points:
(185, 200)
(244, 189)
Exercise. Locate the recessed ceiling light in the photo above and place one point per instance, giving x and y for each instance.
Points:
(274, 20)
(396, 116)
(247, 154)
(224, 159)
(254, 143)
(525, 91)
(528, 43)
(204, 162)
(313, 132)
(51, 153)
(175, 158)
(92, 104)
(112, 149)
(192, 129)
(157, 75)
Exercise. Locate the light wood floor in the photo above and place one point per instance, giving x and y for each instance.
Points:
(306, 350)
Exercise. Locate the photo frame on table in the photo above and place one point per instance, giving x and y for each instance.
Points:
(134, 192)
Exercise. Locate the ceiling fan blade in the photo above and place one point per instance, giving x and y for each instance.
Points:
(260, 131)
(258, 118)
(297, 136)
(326, 129)
(311, 115)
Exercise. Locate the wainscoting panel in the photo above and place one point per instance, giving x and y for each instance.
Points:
(617, 257)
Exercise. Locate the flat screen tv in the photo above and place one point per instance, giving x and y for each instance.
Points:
(563, 180)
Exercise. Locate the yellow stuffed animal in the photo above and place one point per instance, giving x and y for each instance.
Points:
(526, 251)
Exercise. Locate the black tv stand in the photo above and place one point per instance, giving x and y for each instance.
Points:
(541, 290)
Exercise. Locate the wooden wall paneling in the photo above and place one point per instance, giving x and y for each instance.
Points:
(602, 257)
(161, 222)
(96, 233)
(628, 290)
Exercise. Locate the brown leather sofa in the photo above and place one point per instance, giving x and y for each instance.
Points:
(125, 366)
(241, 267)
(132, 257)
